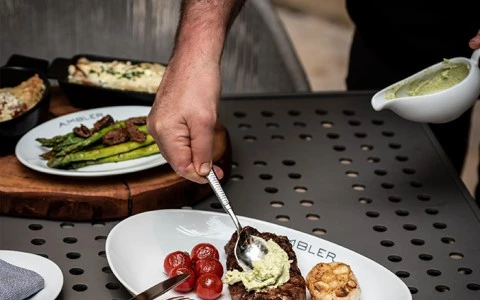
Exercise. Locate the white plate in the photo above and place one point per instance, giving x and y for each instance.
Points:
(28, 149)
(46, 268)
(136, 247)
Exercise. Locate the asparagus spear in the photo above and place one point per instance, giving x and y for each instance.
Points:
(61, 162)
(53, 141)
(136, 153)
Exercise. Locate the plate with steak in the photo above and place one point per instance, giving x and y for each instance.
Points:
(137, 247)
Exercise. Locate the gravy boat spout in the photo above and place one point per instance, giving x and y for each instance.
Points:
(437, 94)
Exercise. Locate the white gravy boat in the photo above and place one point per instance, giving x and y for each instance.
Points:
(438, 107)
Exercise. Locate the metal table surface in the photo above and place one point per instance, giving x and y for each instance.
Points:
(325, 164)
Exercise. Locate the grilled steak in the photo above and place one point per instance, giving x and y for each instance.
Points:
(294, 289)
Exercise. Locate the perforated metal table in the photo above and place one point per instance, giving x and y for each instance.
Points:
(325, 164)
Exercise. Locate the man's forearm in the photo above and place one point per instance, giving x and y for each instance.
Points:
(203, 27)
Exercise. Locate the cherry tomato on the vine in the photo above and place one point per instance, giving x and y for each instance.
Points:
(208, 265)
(176, 259)
(209, 286)
(189, 284)
(203, 251)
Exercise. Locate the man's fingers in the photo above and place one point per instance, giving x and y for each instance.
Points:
(202, 138)
(475, 41)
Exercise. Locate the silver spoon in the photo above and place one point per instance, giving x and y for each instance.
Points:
(248, 248)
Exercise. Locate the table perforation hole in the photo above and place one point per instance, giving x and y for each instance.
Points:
(70, 240)
(379, 228)
(38, 242)
(102, 254)
(107, 270)
(313, 217)
(442, 288)
(288, 162)
(448, 240)
(360, 135)
(300, 189)
(319, 231)
(249, 138)
(339, 148)
(245, 126)
(380, 172)
(239, 114)
(425, 257)
(333, 135)
(395, 258)
(473, 286)
(294, 113)
(42, 255)
(416, 184)
(439, 225)
(306, 203)
(299, 124)
(366, 147)
(456, 255)
(271, 190)
(98, 224)
(76, 271)
(67, 225)
(348, 113)
(373, 160)
(377, 122)
(345, 161)
(394, 146)
(387, 185)
(321, 112)
(465, 271)
(417, 242)
(100, 238)
(112, 286)
(35, 227)
(354, 123)
(265, 176)
(282, 218)
(277, 137)
(372, 214)
(401, 158)
(305, 137)
(431, 211)
(236, 177)
(423, 197)
(413, 290)
(410, 227)
(234, 165)
(80, 287)
(402, 213)
(409, 171)
(394, 199)
(434, 272)
(327, 124)
(73, 255)
(358, 187)
(386, 133)
(352, 174)
(402, 274)
(387, 243)
(272, 125)
(277, 204)
(294, 175)
(267, 113)
(364, 200)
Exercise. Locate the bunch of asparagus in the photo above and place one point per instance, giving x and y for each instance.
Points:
(70, 151)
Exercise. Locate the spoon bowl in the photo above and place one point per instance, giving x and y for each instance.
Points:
(440, 106)
(248, 248)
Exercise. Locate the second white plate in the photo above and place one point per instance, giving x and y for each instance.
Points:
(28, 150)
(137, 246)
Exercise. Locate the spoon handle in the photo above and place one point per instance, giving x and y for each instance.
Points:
(217, 188)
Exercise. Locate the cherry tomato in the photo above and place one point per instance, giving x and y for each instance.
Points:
(209, 286)
(204, 250)
(176, 259)
(189, 284)
(208, 265)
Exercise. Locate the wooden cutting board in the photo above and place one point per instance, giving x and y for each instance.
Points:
(28, 193)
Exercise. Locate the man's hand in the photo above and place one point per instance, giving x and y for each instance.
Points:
(475, 41)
